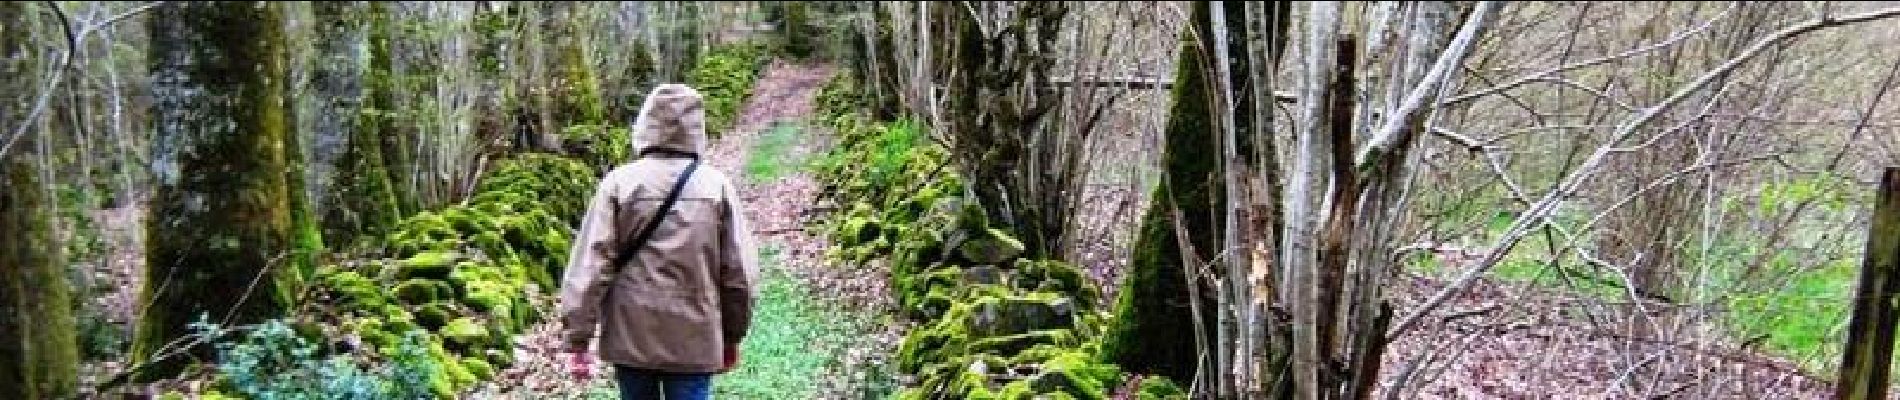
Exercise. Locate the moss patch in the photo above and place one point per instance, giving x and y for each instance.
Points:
(990, 325)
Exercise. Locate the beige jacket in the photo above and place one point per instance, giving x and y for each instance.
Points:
(689, 291)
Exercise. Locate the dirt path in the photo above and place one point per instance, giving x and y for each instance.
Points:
(776, 207)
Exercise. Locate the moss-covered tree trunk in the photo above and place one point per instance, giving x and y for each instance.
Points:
(1007, 130)
(884, 83)
(221, 228)
(353, 197)
(392, 124)
(1153, 322)
(38, 355)
(575, 90)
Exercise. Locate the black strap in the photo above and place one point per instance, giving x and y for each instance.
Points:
(632, 247)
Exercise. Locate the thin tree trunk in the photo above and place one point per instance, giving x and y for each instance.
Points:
(1304, 187)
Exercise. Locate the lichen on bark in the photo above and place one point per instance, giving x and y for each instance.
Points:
(38, 352)
(220, 230)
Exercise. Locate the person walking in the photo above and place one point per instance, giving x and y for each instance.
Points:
(664, 264)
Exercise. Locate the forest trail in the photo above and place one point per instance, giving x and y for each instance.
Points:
(797, 338)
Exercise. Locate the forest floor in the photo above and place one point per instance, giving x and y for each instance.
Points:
(1507, 340)
(820, 329)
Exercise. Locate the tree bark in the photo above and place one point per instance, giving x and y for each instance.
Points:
(1870, 333)
(220, 231)
(38, 354)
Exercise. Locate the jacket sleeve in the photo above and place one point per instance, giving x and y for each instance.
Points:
(583, 283)
(738, 269)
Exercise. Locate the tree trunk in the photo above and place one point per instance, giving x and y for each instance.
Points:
(361, 198)
(1869, 354)
(1001, 109)
(38, 354)
(395, 132)
(1152, 310)
(220, 229)
(337, 74)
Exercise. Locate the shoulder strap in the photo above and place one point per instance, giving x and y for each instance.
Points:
(646, 233)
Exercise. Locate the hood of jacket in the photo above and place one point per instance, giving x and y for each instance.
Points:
(673, 118)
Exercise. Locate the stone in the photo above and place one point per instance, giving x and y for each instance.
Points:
(427, 265)
(992, 247)
(465, 331)
(422, 291)
(1009, 315)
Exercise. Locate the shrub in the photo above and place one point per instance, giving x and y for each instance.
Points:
(273, 362)
(724, 77)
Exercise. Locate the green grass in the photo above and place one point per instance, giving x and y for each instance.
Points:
(795, 340)
(1804, 319)
(771, 156)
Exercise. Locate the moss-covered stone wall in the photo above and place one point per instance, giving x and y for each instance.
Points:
(989, 324)
(464, 275)
(724, 77)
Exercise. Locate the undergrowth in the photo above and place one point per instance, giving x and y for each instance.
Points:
(771, 157)
(796, 340)
(272, 361)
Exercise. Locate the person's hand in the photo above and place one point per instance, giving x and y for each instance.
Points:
(732, 357)
(580, 364)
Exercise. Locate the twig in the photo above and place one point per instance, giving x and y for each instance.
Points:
(1538, 213)
(1393, 130)
(1514, 83)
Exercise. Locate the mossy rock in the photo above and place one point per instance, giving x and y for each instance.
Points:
(990, 247)
(1076, 373)
(428, 265)
(399, 320)
(434, 315)
(465, 331)
(422, 291)
(1008, 315)
(479, 368)
(354, 291)
(970, 217)
(499, 357)
(601, 146)
(1055, 276)
(1011, 345)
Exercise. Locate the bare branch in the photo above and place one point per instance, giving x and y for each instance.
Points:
(1391, 131)
(1538, 213)
(1672, 40)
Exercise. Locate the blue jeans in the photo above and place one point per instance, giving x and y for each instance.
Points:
(641, 384)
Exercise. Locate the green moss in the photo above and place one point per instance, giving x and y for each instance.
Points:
(221, 205)
(465, 331)
(355, 290)
(1152, 309)
(724, 77)
(1057, 277)
(478, 368)
(1013, 344)
(991, 246)
(421, 291)
(602, 146)
(1076, 373)
(430, 265)
(434, 315)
